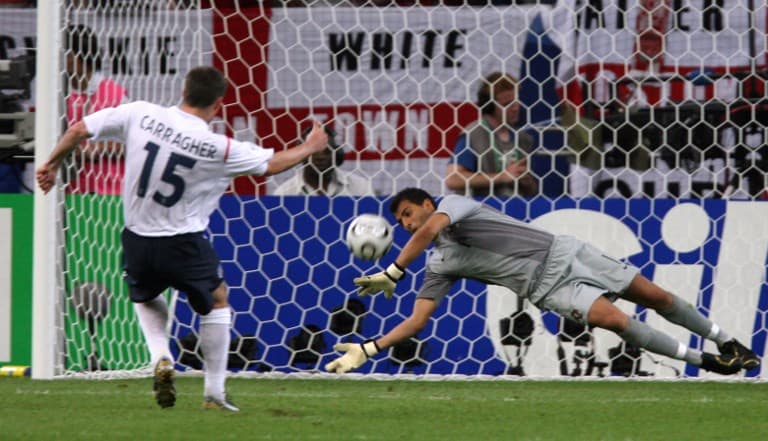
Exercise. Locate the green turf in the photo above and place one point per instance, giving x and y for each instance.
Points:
(387, 410)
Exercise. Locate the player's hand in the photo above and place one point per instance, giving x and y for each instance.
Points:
(355, 355)
(384, 281)
(46, 176)
(514, 170)
(317, 139)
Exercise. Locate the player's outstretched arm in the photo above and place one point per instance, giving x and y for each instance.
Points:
(355, 354)
(316, 141)
(386, 280)
(46, 174)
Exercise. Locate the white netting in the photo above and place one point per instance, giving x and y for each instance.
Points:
(646, 121)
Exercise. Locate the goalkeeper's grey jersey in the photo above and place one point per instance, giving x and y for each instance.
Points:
(484, 244)
(176, 169)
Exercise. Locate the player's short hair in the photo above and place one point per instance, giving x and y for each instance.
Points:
(411, 194)
(203, 86)
(81, 41)
(490, 87)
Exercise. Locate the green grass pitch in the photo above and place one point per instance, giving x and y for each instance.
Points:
(327, 409)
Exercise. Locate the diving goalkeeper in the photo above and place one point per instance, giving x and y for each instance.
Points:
(557, 273)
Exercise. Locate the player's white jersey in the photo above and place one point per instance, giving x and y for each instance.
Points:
(176, 169)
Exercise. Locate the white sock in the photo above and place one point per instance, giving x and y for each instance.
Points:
(214, 343)
(718, 335)
(153, 316)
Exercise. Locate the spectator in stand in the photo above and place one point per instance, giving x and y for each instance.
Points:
(101, 163)
(491, 157)
(321, 175)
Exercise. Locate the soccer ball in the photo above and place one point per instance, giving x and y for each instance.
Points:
(369, 236)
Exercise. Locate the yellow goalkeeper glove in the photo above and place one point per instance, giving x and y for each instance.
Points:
(355, 355)
(384, 281)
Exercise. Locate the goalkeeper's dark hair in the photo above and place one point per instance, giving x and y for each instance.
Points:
(411, 194)
(203, 86)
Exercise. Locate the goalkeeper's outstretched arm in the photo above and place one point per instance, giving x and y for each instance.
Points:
(422, 312)
(355, 354)
(422, 236)
(421, 220)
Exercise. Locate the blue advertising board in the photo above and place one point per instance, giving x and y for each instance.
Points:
(288, 270)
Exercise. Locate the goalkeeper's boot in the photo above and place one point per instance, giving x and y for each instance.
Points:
(721, 364)
(222, 404)
(165, 391)
(749, 359)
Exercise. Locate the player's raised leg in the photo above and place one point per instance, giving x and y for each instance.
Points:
(676, 310)
(606, 315)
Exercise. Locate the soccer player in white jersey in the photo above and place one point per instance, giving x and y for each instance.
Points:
(558, 273)
(176, 170)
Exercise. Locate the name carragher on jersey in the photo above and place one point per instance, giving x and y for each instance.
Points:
(169, 135)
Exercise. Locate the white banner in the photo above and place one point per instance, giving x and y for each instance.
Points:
(357, 56)
(148, 53)
(698, 34)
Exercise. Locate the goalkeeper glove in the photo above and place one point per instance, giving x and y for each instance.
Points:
(356, 354)
(383, 281)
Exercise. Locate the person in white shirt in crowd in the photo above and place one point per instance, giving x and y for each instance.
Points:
(321, 174)
(176, 170)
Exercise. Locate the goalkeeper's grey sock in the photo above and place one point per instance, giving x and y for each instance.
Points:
(642, 335)
(153, 316)
(214, 343)
(684, 314)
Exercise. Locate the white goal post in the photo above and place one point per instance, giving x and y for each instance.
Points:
(648, 122)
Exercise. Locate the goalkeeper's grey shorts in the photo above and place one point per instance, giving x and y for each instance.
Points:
(575, 275)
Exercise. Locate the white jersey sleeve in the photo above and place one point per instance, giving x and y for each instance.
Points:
(244, 158)
(108, 124)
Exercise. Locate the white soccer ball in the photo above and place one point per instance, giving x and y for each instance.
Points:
(369, 236)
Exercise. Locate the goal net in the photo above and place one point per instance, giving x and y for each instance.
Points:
(646, 121)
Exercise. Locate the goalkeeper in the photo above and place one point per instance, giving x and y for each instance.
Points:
(558, 273)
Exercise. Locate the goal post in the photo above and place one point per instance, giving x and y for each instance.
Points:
(45, 268)
(647, 122)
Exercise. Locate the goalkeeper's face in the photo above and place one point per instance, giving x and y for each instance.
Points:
(412, 216)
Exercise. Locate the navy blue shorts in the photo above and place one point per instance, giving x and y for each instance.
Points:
(186, 262)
